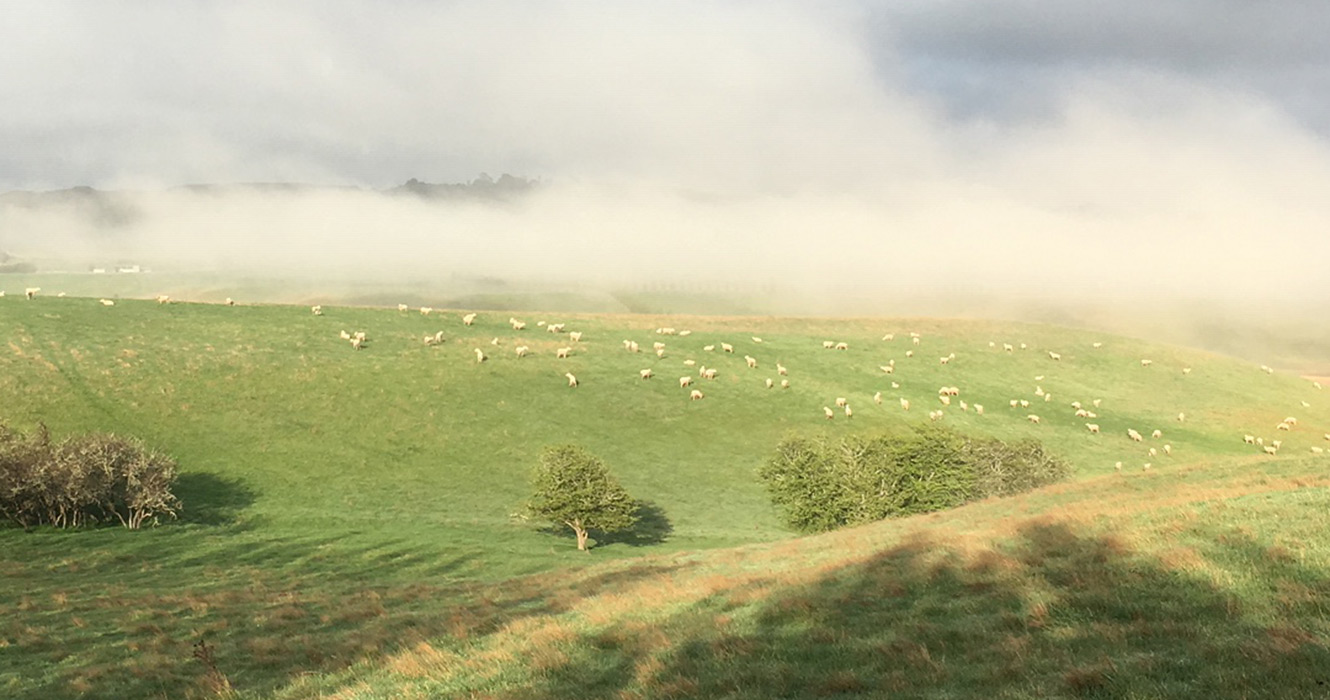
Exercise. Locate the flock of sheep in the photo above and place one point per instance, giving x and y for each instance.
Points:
(947, 395)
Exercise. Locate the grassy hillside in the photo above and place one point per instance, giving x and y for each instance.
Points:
(343, 505)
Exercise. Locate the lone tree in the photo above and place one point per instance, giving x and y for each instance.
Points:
(573, 488)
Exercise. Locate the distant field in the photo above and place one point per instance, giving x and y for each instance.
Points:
(352, 501)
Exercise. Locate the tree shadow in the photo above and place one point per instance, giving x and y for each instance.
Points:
(212, 499)
(652, 527)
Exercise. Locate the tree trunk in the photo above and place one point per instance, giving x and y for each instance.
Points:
(576, 525)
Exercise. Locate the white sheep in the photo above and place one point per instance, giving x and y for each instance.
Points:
(1054, 356)
(163, 299)
(757, 339)
(685, 333)
(784, 383)
(887, 369)
(695, 395)
(1014, 403)
(1306, 405)
(1092, 427)
(1024, 346)
(632, 346)
(770, 383)
(1271, 450)
(360, 335)
(752, 361)
(1096, 345)
(944, 360)
(1135, 436)
(1048, 398)
(877, 398)
(494, 341)
(946, 400)
(1147, 363)
(1186, 370)
(469, 319)
(909, 353)
(709, 348)
(660, 352)
(842, 346)
(1082, 413)
(905, 404)
(828, 344)
(1327, 436)
(426, 310)
(516, 324)
(31, 292)
(964, 406)
(345, 335)
(709, 373)
(522, 350)
(840, 402)
(780, 369)
(849, 413)
(1033, 418)
(1277, 443)
(357, 342)
(1314, 384)
(690, 363)
(1008, 347)
(895, 385)
(1249, 439)
(1039, 391)
(658, 346)
(685, 382)
(555, 327)
(979, 408)
(1153, 452)
(889, 337)
(1291, 420)
(562, 353)
(480, 355)
(726, 347)
(1157, 434)
(572, 381)
(106, 302)
(830, 414)
(575, 336)
(646, 374)
(1168, 449)
(1117, 465)
(1267, 369)
(402, 307)
(1182, 417)
(230, 301)
(1318, 450)
(1025, 403)
(1283, 426)
(915, 339)
(1096, 402)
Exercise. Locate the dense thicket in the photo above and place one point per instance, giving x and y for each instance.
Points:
(820, 484)
(82, 480)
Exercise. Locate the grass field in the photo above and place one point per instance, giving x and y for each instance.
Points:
(348, 527)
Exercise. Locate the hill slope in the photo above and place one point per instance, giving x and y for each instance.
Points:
(349, 502)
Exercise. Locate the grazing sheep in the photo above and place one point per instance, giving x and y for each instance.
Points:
(895, 385)
(1054, 356)
(1186, 370)
(915, 339)
(1008, 347)
(1327, 436)
(685, 334)
(888, 369)
(1315, 384)
(1249, 439)
(1271, 450)
(575, 336)
(849, 413)
(752, 361)
(695, 394)
(658, 346)
(519, 326)
(979, 409)
(1267, 369)
(646, 374)
(522, 350)
(667, 331)
(572, 381)
(992, 344)
(1306, 405)
(1048, 397)
(1076, 405)
(1096, 345)
(784, 383)
(31, 292)
(632, 346)
(426, 310)
(909, 353)
(842, 346)
(1318, 450)
(1146, 466)
(1153, 452)
(1014, 403)
(360, 335)
(830, 414)
(770, 383)
(163, 299)
(660, 352)
(1277, 443)
(828, 344)
(1291, 420)
(1025, 403)
(944, 360)
(1168, 449)
(1182, 417)
(494, 342)
(840, 402)
(935, 415)
(1096, 402)
(1024, 346)
(1117, 465)
(1082, 413)
(709, 348)
(1039, 391)
(1283, 426)
(1157, 434)
(889, 337)
(757, 339)
(780, 369)
(1131, 433)
(905, 404)
(1032, 418)
(345, 335)
(562, 353)
(685, 382)
(964, 406)
(946, 400)
(480, 355)
(709, 373)
(402, 307)
(106, 302)
(230, 301)
(357, 342)
(469, 319)
(554, 328)
(1092, 427)
(690, 363)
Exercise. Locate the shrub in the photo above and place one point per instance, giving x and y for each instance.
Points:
(82, 480)
(821, 485)
(572, 487)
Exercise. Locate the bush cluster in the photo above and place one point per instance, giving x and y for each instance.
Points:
(82, 480)
(821, 485)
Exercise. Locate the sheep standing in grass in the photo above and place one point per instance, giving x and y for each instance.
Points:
(889, 337)
(726, 347)
(780, 369)
(522, 350)
(709, 348)
(1157, 434)
(830, 414)
(575, 336)
(770, 383)
(905, 404)
(685, 334)
(849, 412)
(979, 409)
(696, 395)
(1092, 427)
(1283, 426)
(106, 302)
(562, 353)
(426, 310)
(840, 402)
(1135, 436)
(1271, 450)
(685, 382)
(516, 324)
(1251, 439)
(784, 383)
(1008, 347)
(572, 381)
(877, 398)
(1033, 418)
(1146, 363)
(163, 299)
(752, 361)
(935, 415)
(1054, 356)
(909, 353)
(31, 292)
(828, 344)
(646, 374)
(230, 301)
(709, 373)
(1168, 450)
(357, 342)
(402, 308)
(469, 319)
(480, 356)
(842, 346)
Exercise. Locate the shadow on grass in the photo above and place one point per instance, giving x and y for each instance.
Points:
(652, 527)
(1055, 614)
(211, 499)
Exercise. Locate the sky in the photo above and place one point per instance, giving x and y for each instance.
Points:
(1177, 146)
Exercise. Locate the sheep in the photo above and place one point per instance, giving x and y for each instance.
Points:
(842, 346)
(1157, 434)
(402, 308)
(1092, 427)
(1096, 345)
(1008, 347)
(830, 414)
(1033, 418)
(438, 337)
(935, 415)
(1283, 426)
(359, 335)
(1147, 363)
(1306, 405)
(1146, 466)
(1039, 391)
(895, 385)
(660, 352)
(695, 394)
(685, 334)
(690, 363)
(1091, 414)
(429, 340)
(1096, 402)
(757, 340)
(357, 342)
(780, 369)
(667, 331)
(522, 350)
(1186, 370)
(494, 342)
(658, 346)
(992, 344)
(685, 382)
(575, 336)
(1024, 346)
(1291, 420)
(426, 310)
(709, 373)
(230, 301)
(1267, 369)
(770, 383)
(1317, 385)
(915, 339)
(562, 353)
(979, 408)
(828, 344)
(849, 413)
(887, 369)
(1025, 403)
(1327, 436)
(1082, 413)
(752, 361)
(944, 360)
(163, 299)
(709, 348)
(1271, 450)
(1182, 417)
(572, 381)
(909, 353)
(784, 383)
(519, 326)
(1318, 450)
(1153, 452)
(345, 335)
(1277, 443)
(1168, 450)
(1249, 439)
(554, 328)
(1117, 466)
(964, 406)
(1076, 405)
(905, 404)
(632, 346)
(106, 302)
(480, 356)
(31, 292)
(946, 400)
(1054, 356)
(889, 337)
(1135, 436)
(645, 374)
(1048, 398)
(1014, 403)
